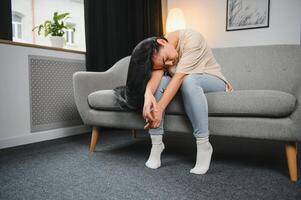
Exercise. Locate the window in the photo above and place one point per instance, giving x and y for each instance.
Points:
(36, 12)
(17, 26)
(70, 35)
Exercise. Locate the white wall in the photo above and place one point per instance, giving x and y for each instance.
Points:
(15, 100)
(209, 17)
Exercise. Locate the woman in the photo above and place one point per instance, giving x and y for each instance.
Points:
(186, 57)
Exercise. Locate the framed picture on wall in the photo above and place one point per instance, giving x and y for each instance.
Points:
(247, 14)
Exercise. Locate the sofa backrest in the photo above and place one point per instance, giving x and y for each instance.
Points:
(120, 69)
(274, 67)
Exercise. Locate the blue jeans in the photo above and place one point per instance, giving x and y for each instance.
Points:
(195, 102)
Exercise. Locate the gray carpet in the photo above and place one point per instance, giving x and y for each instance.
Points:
(63, 169)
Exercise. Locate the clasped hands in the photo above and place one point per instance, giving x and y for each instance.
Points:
(152, 112)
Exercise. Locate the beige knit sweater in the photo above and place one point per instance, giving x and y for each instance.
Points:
(195, 56)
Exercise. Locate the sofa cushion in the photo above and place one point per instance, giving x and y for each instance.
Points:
(265, 103)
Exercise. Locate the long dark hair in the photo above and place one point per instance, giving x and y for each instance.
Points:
(131, 95)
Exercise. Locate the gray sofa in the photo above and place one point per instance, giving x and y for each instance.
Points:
(265, 103)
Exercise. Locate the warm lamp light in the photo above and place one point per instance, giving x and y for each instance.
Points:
(175, 20)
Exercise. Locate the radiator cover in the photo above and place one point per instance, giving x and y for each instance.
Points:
(51, 92)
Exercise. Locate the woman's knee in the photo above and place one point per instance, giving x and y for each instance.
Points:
(188, 83)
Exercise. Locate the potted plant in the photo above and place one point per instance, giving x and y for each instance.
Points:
(56, 28)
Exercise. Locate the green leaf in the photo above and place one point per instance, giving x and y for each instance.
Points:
(67, 18)
(54, 16)
(40, 28)
(62, 16)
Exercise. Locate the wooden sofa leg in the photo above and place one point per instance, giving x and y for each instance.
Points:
(94, 139)
(291, 156)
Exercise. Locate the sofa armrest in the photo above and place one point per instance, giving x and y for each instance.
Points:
(85, 82)
(296, 115)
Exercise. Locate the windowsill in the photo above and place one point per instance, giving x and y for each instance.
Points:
(71, 45)
(40, 46)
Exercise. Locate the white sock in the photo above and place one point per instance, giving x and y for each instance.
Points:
(203, 158)
(154, 160)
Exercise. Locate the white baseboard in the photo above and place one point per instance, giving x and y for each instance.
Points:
(44, 135)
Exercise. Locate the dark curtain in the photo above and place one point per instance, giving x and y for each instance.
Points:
(5, 20)
(115, 27)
